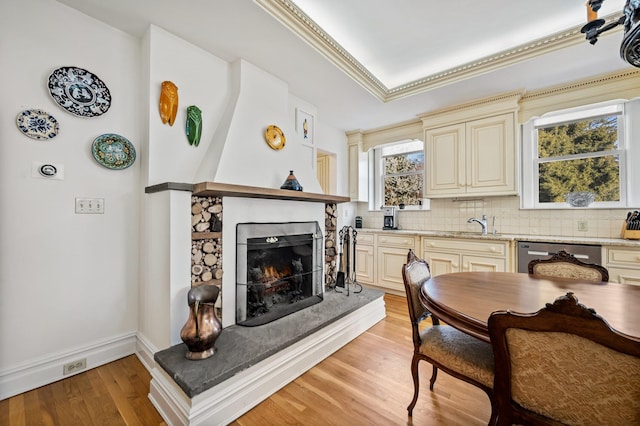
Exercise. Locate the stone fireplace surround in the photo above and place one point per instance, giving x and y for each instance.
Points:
(248, 368)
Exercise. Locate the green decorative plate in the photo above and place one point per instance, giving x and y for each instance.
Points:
(113, 151)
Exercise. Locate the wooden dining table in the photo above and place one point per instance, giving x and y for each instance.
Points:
(465, 300)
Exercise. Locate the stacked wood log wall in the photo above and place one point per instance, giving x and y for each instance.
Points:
(330, 250)
(206, 244)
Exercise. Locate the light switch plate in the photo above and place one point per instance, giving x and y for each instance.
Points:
(89, 205)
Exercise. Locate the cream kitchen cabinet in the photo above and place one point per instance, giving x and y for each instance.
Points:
(623, 264)
(475, 158)
(380, 258)
(391, 255)
(448, 255)
(365, 256)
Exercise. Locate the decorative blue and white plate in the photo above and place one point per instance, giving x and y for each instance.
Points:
(37, 124)
(79, 91)
(113, 151)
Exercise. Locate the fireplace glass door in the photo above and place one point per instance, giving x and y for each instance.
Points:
(279, 269)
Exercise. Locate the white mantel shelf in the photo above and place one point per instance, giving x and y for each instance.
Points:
(213, 189)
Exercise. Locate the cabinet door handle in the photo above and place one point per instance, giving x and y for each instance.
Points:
(383, 240)
(405, 242)
(465, 266)
(492, 249)
(431, 244)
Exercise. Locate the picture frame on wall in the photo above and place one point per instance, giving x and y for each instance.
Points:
(305, 126)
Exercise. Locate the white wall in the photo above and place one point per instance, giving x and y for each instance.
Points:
(202, 80)
(88, 286)
(68, 282)
(332, 140)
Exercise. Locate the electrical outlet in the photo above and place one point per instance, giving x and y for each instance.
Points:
(583, 225)
(89, 205)
(75, 366)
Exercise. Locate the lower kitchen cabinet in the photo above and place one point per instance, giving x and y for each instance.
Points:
(365, 256)
(391, 255)
(380, 258)
(623, 264)
(448, 255)
(442, 263)
(390, 262)
(381, 255)
(624, 276)
(447, 263)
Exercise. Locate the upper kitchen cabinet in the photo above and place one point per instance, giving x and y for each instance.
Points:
(470, 150)
(476, 158)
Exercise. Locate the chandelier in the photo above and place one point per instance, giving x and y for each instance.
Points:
(630, 46)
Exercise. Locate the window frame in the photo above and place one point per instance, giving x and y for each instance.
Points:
(627, 111)
(377, 171)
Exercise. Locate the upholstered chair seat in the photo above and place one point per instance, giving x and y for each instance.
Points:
(458, 351)
(441, 345)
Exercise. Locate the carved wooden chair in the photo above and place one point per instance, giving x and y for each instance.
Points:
(564, 365)
(443, 346)
(565, 265)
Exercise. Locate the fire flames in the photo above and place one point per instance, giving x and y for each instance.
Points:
(272, 277)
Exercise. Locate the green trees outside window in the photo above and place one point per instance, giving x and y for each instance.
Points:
(579, 156)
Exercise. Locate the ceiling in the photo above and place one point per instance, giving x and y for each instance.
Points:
(369, 63)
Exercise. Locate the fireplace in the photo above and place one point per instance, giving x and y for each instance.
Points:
(279, 268)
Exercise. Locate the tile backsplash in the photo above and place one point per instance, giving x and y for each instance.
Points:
(450, 215)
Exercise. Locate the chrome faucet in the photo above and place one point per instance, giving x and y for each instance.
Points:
(482, 222)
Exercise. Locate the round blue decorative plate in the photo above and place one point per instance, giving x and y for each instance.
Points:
(37, 124)
(79, 91)
(113, 151)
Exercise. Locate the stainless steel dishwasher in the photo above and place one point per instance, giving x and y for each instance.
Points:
(529, 250)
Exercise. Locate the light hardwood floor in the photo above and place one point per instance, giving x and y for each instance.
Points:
(367, 382)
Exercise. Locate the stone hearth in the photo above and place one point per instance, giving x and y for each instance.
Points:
(251, 363)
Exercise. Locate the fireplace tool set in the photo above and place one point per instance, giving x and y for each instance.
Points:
(346, 275)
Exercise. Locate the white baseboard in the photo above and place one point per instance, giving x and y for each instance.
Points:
(145, 351)
(227, 401)
(49, 369)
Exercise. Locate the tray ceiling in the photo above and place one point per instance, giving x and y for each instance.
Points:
(365, 64)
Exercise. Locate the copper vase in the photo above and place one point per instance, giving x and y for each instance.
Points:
(203, 326)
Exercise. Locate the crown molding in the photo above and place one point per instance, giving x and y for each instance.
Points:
(493, 105)
(615, 85)
(304, 27)
(411, 129)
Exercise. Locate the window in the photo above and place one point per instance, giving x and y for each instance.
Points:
(399, 175)
(576, 158)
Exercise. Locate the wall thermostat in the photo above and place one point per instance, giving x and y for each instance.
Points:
(48, 170)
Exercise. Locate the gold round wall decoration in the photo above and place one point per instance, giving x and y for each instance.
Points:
(274, 137)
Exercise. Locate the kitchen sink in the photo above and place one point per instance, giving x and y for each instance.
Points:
(469, 234)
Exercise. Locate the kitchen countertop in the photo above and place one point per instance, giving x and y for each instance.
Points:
(509, 237)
